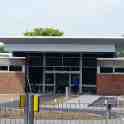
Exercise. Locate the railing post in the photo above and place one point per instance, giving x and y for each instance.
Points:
(109, 108)
(29, 113)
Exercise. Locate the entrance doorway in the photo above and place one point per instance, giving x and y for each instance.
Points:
(62, 80)
(75, 83)
(59, 81)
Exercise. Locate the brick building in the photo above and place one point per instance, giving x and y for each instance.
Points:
(52, 63)
(110, 76)
(12, 75)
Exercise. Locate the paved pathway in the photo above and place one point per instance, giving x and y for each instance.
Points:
(86, 99)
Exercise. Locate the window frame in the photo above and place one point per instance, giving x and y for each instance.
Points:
(113, 70)
(9, 70)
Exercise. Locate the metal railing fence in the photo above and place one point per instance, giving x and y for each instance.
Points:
(53, 111)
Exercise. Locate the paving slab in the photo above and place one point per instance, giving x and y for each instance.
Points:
(86, 99)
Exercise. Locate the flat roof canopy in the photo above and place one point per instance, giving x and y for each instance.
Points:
(78, 43)
(82, 43)
(52, 47)
(84, 38)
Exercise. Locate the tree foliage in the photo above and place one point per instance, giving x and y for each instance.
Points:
(120, 53)
(44, 32)
(2, 49)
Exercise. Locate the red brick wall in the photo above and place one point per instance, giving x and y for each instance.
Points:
(12, 82)
(110, 84)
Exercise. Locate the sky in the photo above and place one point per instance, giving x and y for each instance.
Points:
(73, 17)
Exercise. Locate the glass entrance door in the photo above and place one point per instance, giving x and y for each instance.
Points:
(75, 83)
(49, 83)
(62, 80)
(57, 82)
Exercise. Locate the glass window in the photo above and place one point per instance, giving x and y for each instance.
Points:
(35, 75)
(89, 61)
(40, 89)
(59, 68)
(49, 79)
(106, 70)
(74, 69)
(49, 89)
(15, 68)
(71, 60)
(35, 60)
(66, 59)
(34, 89)
(3, 68)
(89, 76)
(53, 59)
(120, 70)
(49, 68)
(67, 68)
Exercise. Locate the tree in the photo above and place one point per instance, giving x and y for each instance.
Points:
(120, 52)
(2, 48)
(44, 32)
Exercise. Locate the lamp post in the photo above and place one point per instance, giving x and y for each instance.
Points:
(28, 112)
